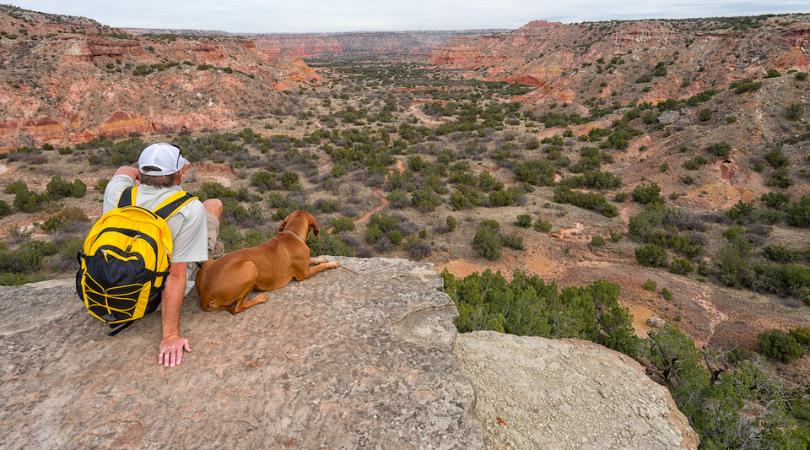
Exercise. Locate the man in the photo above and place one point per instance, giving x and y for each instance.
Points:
(194, 233)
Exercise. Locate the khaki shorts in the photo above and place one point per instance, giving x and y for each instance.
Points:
(216, 248)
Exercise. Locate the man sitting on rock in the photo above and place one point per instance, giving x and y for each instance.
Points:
(194, 231)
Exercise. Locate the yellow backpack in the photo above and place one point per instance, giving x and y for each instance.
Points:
(125, 260)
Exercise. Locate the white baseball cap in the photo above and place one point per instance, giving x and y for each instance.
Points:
(163, 157)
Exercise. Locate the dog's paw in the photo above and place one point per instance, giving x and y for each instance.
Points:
(334, 265)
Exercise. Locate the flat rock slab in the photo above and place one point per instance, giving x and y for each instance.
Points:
(347, 359)
(567, 394)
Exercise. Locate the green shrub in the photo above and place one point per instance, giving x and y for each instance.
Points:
(59, 188)
(733, 266)
(264, 180)
(101, 184)
(325, 244)
(529, 306)
(598, 241)
(798, 213)
(695, 163)
(779, 254)
(747, 85)
(418, 249)
(719, 149)
(781, 279)
(290, 181)
(535, 172)
(593, 179)
(776, 200)
(650, 285)
(16, 186)
(451, 223)
(341, 224)
(588, 200)
(779, 178)
(667, 294)
(776, 159)
(705, 115)
(773, 73)
(681, 266)
(542, 225)
(425, 200)
(5, 209)
(27, 201)
(487, 242)
(524, 221)
(27, 258)
(646, 194)
(801, 76)
(384, 225)
(740, 212)
(398, 199)
(778, 345)
(513, 241)
(794, 111)
(802, 336)
(212, 189)
(64, 218)
(651, 255)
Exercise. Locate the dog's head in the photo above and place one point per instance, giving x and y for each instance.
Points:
(300, 215)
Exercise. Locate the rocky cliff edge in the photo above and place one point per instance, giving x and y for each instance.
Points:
(359, 357)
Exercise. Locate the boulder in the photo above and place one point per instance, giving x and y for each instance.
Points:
(533, 392)
(346, 359)
(656, 322)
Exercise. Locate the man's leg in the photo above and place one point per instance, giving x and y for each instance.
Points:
(213, 214)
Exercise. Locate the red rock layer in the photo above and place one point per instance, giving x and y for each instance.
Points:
(572, 63)
(65, 80)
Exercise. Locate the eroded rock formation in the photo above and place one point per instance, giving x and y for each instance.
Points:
(577, 63)
(65, 80)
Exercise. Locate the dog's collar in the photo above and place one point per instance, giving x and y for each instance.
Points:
(294, 234)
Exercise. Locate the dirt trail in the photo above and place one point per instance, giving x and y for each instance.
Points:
(716, 317)
(383, 202)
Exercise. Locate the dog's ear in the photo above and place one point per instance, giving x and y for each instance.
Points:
(282, 225)
(315, 228)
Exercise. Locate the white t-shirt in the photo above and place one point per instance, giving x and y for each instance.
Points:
(189, 228)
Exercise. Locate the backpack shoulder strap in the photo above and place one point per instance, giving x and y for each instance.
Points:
(173, 204)
(128, 197)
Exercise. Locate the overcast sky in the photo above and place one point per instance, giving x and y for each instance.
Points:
(270, 16)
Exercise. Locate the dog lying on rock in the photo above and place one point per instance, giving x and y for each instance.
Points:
(225, 283)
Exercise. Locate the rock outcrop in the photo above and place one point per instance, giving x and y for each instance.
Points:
(533, 392)
(359, 357)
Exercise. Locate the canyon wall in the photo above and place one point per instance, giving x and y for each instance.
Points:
(65, 80)
(587, 62)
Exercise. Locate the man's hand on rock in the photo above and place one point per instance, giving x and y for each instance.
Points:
(171, 350)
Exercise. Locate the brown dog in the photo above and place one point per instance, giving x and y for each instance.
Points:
(225, 283)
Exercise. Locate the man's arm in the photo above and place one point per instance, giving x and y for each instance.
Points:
(129, 171)
(172, 345)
